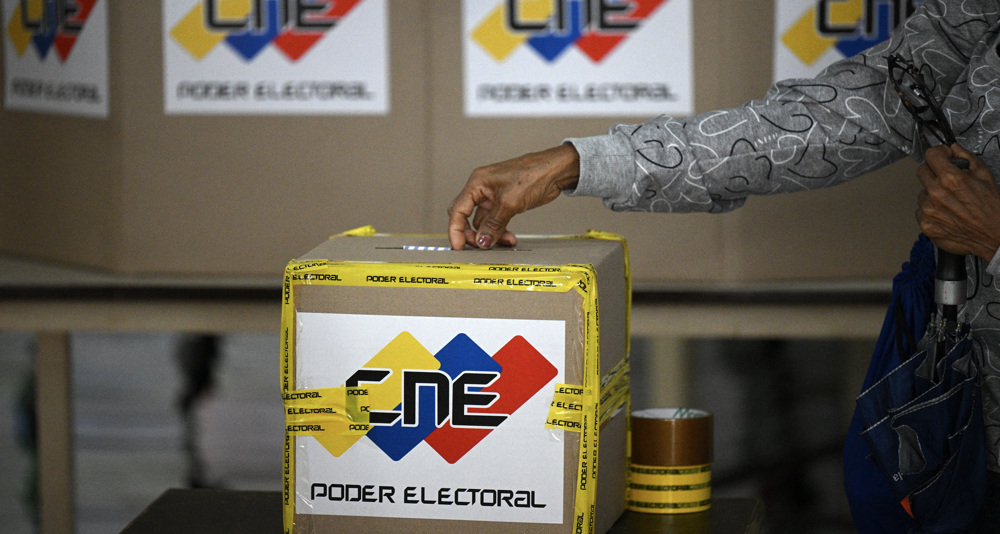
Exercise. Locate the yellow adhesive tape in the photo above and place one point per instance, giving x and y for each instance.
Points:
(585, 506)
(651, 476)
(615, 390)
(669, 508)
(361, 231)
(695, 493)
(328, 411)
(287, 368)
(458, 276)
(566, 408)
(335, 417)
(670, 490)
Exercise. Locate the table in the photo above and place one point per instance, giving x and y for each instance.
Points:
(55, 300)
(249, 512)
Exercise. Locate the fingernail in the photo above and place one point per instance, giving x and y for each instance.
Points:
(485, 241)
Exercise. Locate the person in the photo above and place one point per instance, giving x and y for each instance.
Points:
(803, 134)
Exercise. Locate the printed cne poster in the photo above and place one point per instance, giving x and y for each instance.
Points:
(276, 57)
(482, 454)
(56, 56)
(535, 58)
(812, 34)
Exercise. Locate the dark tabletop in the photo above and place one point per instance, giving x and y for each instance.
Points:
(246, 512)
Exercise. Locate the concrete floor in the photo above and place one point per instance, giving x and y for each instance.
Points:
(781, 410)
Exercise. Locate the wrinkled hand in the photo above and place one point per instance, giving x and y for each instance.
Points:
(496, 193)
(959, 210)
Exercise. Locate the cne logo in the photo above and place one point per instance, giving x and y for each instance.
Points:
(849, 26)
(550, 27)
(451, 400)
(247, 27)
(48, 24)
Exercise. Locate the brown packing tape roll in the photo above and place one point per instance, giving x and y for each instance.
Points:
(671, 461)
(671, 437)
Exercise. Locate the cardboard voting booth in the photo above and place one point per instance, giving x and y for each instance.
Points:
(431, 390)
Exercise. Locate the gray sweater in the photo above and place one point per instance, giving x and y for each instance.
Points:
(812, 133)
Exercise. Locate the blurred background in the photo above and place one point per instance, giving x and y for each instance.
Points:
(151, 237)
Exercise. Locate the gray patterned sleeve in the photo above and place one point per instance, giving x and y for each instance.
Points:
(804, 134)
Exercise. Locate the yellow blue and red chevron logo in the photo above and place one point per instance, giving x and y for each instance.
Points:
(47, 25)
(450, 400)
(550, 27)
(848, 26)
(247, 27)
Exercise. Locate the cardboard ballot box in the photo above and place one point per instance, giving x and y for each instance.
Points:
(431, 390)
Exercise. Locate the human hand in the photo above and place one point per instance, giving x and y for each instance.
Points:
(959, 210)
(496, 193)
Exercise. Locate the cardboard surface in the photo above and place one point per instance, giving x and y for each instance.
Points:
(342, 311)
(142, 192)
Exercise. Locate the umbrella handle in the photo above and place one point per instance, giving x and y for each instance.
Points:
(950, 276)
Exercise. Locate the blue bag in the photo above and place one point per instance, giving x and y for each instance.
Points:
(874, 507)
(920, 417)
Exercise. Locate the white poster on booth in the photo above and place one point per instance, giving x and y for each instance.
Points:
(276, 57)
(812, 34)
(577, 57)
(463, 403)
(56, 56)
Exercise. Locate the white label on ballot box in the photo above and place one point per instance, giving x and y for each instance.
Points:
(457, 408)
